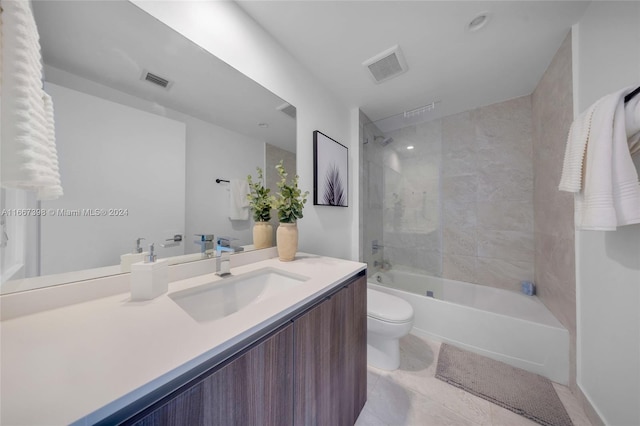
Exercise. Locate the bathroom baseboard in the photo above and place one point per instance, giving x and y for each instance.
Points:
(591, 412)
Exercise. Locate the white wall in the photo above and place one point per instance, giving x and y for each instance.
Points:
(607, 58)
(223, 29)
(211, 152)
(111, 157)
(214, 152)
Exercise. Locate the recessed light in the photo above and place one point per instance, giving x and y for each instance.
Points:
(410, 147)
(478, 22)
(263, 125)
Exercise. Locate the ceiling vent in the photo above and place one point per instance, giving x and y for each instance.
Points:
(288, 109)
(156, 79)
(386, 65)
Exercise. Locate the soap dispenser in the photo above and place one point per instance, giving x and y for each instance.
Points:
(149, 279)
(137, 255)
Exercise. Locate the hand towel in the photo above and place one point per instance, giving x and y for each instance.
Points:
(238, 202)
(598, 167)
(28, 154)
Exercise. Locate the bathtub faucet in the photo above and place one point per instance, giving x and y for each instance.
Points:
(382, 265)
(375, 246)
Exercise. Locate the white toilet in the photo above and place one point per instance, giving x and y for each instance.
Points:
(388, 319)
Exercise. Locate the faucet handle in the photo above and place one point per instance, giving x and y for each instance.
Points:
(205, 237)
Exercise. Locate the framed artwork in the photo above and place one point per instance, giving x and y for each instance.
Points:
(330, 171)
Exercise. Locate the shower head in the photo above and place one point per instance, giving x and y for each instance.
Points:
(384, 141)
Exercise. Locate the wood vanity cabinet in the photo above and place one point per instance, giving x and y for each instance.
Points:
(330, 359)
(310, 371)
(251, 389)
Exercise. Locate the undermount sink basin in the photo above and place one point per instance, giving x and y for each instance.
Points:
(219, 299)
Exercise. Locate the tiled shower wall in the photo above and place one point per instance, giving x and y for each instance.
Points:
(460, 204)
(554, 231)
(487, 195)
(412, 221)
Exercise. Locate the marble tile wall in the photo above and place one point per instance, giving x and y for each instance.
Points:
(487, 195)
(412, 206)
(554, 231)
(460, 204)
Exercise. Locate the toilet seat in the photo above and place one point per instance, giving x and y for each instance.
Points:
(388, 308)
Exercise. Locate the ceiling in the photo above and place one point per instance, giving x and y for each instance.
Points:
(113, 42)
(447, 63)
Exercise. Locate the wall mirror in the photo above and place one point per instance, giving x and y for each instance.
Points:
(146, 122)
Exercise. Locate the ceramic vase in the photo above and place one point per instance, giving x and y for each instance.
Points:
(262, 235)
(287, 241)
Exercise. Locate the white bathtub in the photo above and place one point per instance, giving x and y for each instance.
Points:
(504, 325)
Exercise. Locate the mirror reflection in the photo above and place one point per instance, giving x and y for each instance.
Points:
(154, 137)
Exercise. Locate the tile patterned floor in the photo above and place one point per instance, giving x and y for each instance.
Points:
(411, 395)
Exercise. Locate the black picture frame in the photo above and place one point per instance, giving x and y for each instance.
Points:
(330, 171)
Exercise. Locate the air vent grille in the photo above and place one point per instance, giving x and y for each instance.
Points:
(156, 79)
(288, 109)
(386, 65)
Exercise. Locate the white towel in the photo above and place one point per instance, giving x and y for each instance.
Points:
(52, 189)
(572, 168)
(606, 181)
(29, 158)
(632, 122)
(238, 202)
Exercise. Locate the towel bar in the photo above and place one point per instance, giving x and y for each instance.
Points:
(631, 95)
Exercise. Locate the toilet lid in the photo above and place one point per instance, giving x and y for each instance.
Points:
(387, 307)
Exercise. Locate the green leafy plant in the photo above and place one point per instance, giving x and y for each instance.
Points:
(259, 199)
(290, 200)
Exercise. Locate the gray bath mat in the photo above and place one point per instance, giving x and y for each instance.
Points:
(522, 392)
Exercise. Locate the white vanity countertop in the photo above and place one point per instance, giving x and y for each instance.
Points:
(55, 279)
(83, 362)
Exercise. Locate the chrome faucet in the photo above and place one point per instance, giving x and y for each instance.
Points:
(207, 248)
(223, 264)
